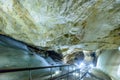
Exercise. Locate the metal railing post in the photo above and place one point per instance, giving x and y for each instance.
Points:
(30, 77)
(62, 71)
(79, 74)
(68, 72)
(75, 74)
(51, 73)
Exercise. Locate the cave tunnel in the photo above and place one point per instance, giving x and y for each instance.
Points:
(59, 39)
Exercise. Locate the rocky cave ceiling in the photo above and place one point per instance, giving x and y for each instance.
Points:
(86, 24)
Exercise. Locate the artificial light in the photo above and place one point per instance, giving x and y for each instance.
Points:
(82, 65)
(75, 74)
(57, 72)
(91, 65)
(119, 48)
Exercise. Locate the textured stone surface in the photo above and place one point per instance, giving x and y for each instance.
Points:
(91, 24)
(67, 24)
(109, 62)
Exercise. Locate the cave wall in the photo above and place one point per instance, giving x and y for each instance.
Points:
(109, 62)
(90, 24)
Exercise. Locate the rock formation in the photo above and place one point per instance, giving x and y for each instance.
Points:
(64, 25)
(92, 24)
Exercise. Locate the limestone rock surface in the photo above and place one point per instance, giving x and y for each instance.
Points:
(89, 24)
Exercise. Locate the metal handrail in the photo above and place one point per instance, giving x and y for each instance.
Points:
(64, 74)
(28, 68)
(61, 76)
